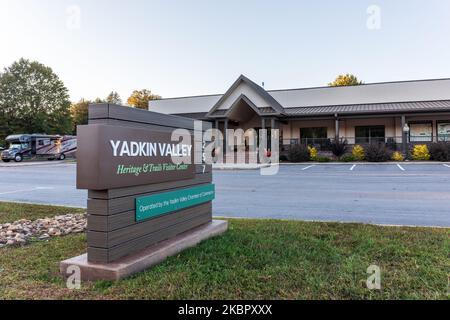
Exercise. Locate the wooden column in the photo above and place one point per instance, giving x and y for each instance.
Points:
(225, 138)
(336, 127)
(404, 135)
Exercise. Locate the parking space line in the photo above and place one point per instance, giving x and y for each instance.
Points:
(353, 167)
(446, 165)
(309, 167)
(400, 167)
(26, 190)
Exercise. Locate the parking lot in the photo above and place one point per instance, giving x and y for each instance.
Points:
(404, 194)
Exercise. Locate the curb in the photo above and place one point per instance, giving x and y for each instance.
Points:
(364, 163)
(34, 164)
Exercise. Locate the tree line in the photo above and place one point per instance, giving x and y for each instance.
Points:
(33, 99)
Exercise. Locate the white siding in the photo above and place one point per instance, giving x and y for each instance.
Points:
(184, 105)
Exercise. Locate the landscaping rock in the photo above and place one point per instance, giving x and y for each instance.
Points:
(21, 231)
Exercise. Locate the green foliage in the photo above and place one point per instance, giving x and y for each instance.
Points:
(79, 113)
(140, 98)
(33, 100)
(440, 151)
(338, 147)
(378, 152)
(420, 152)
(348, 158)
(79, 110)
(323, 159)
(114, 98)
(345, 80)
(299, 153)
(10, 212)
(358, 153)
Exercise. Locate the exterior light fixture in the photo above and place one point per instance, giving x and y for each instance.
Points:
(406, 128)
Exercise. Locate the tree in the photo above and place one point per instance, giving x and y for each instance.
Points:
(140, 98)
(79, 113)
(33, 100)
(114, 98)
(99, 100)
(345, 80)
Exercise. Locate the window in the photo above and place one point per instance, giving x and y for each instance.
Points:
(421, 132)
(21, 146)
(312, 136)
(369, 134)
(443, 129)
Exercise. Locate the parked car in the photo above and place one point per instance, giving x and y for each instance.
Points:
(23, 146)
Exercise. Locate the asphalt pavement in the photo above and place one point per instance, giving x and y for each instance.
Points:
(404, 194)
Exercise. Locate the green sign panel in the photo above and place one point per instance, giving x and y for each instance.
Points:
(163, 203)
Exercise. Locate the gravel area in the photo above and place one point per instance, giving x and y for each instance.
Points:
(23, 231)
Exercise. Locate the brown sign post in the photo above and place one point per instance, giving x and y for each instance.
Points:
(147, 198)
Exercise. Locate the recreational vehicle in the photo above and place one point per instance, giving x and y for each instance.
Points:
(27, 146)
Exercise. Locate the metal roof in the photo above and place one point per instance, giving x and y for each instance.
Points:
(284, 100)
(440, 105)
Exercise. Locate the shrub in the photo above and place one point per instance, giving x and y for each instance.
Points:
(397, 156)
(323, 159)
(440, 151)
(391, 144)
(338, 147)
(377, 152)
(298, 153)
(348, 158)
(420, 152)
(312, 153)
(358, 153)
(283, 157)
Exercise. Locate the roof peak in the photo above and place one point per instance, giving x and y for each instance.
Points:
(257, 88)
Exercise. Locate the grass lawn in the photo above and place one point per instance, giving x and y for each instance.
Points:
(10, 212)
(255, 259)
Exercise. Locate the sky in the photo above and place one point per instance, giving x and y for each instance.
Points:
(194, 47)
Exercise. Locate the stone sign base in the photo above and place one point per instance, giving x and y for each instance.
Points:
(130, 265)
